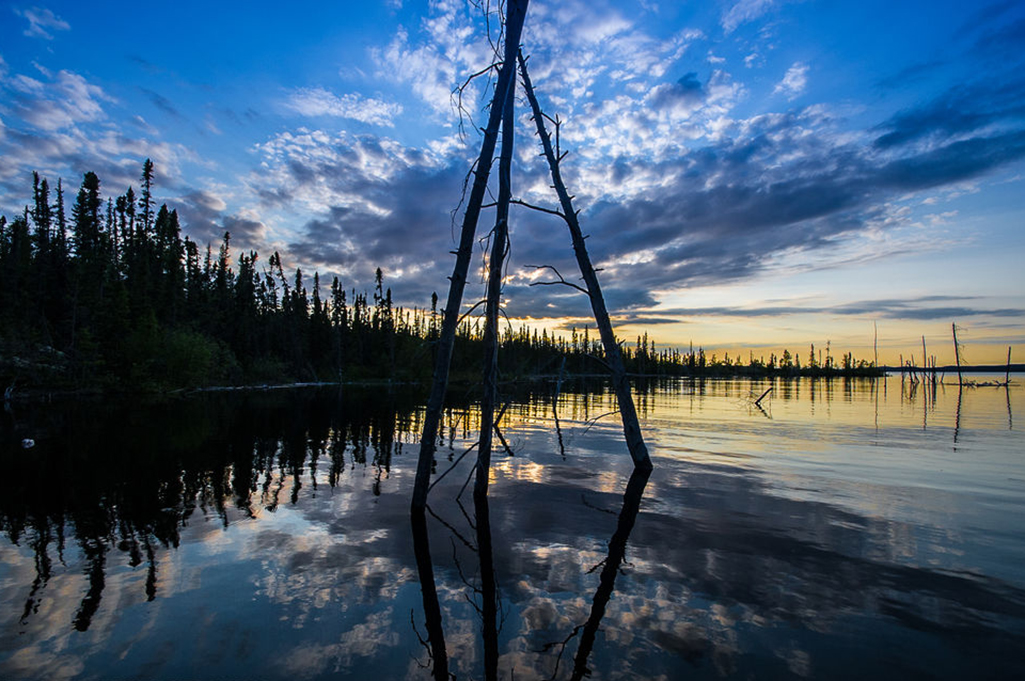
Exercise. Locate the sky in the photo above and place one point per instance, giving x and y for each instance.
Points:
(752, 174)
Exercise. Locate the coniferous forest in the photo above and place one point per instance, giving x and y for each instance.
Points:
(108, 293)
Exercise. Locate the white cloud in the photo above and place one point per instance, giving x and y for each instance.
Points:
(941, 218)
(320, 102)
(66, 100)
(743, 12)
(58, 125)
(794, 82)
(39, 20)
(318, 170)
(446, 50)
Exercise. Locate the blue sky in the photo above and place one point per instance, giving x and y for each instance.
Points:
(753, 173)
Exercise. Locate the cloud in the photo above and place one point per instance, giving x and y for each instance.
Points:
(922, 308)
(909, 75)
(679, 182)
(674, 192)
(58, 124)
(794, 82)
(319, 102)
(686, 93)
(775, 189)
(961, 109)
(432, 61)
(163, 103)
(205, 218)
(41, 21)
(374, 203)
(68, 99)
(744, 11)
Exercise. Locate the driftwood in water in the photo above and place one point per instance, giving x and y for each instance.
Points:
(613, 356)
(517, 11)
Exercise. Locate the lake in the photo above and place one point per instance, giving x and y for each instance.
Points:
(841, 529)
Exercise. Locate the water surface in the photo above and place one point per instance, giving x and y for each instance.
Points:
(841, 529)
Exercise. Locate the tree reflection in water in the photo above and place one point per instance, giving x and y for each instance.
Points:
(268, 536)
(122, 481)
(489, 607)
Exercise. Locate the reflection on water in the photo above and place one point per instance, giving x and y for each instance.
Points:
(836, 529)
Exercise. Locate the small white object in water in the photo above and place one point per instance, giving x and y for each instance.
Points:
(28, 443)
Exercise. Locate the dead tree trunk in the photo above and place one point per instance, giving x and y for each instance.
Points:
(613, 356)
(957, 354)
(517, 11)
(499, 247)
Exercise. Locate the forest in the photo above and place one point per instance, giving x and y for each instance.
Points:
(110, 295)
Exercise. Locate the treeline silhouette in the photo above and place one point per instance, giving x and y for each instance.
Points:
(110, 293)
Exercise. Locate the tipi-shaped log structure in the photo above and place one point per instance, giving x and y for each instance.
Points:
(501, 116)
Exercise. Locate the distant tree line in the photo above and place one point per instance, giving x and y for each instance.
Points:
(109, 293)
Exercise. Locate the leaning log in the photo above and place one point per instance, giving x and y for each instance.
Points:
(613, 355)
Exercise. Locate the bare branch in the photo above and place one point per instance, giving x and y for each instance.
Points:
(468, 312)
(541, 209)
(595, 420)
(561, 280)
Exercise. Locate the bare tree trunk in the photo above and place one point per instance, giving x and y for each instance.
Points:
(517, 10)
(499, 243)
(957, 354)
(613, 356)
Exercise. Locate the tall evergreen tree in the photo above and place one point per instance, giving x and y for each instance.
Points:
(146, 198)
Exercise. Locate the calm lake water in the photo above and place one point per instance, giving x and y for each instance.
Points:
(842, 530)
